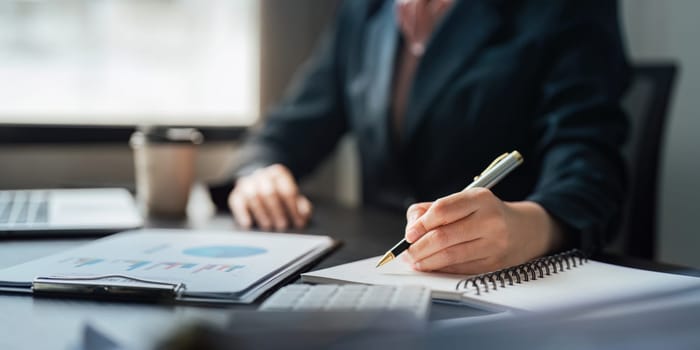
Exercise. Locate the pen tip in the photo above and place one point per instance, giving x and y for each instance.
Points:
(389, 256)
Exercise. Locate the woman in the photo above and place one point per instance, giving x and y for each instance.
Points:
(432, 91)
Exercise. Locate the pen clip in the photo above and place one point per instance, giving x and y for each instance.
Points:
(107, 286)
(493, 164)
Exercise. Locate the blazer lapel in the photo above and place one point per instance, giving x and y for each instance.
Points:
(379, 59)
(456, 40)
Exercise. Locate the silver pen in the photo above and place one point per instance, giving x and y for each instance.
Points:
(496, 171)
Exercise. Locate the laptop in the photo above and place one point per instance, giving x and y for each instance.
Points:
(67, 212)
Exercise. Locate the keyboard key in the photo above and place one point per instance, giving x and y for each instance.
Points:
(23, 208)
(19, 201)
(41, 216)
(5, 210)
(23, 213)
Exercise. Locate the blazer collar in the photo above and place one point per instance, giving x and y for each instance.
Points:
(454, 42)
(379, 57)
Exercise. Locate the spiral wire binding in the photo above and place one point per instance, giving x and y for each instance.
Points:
(531, 270)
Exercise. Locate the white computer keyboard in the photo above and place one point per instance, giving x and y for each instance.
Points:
(329, 297)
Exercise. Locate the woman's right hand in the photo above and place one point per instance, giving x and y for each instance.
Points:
(270, 199)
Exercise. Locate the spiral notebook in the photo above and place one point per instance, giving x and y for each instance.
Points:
(557, 281)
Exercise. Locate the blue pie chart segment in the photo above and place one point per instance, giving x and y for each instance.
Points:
(224, 251)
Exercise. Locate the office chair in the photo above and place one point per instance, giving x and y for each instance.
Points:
(646, 104)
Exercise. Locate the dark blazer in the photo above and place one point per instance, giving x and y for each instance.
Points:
(542, 77)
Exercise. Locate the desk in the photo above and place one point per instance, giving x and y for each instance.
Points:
(37, 323)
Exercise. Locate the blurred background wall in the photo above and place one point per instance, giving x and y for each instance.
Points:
(670, 30)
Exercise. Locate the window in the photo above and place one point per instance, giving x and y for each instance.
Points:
(129, 62)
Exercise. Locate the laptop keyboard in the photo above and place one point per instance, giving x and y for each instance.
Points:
(332, 297)
(24, 208)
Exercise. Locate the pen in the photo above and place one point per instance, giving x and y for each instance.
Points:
(496, 171)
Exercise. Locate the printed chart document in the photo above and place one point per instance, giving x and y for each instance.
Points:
(211, 265)
(588, 282)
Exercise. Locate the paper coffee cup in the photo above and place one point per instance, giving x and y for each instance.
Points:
(165, 168)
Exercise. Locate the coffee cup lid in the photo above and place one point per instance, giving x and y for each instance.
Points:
(159, 134)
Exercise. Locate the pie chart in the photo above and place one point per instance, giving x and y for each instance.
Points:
(224, 251)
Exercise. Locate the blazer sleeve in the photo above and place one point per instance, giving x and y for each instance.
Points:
(305, 127)
(580, 124)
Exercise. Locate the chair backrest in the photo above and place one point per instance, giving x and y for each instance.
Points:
(646, 104)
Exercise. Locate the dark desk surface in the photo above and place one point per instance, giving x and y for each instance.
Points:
(36, 323)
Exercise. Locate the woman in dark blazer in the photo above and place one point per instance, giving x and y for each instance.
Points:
(430, 110)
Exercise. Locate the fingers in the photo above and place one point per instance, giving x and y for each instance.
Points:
(272, 203)
(297, 206)
(254, 202)
(459, 254)
(240, 211)
(443, 237)
(305, 208)
(447, 210)
(289, 194)
(269, 198)
(415, 211)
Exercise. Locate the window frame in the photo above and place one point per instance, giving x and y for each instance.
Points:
(37, 134)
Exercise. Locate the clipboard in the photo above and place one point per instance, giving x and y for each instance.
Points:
(158, 265)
